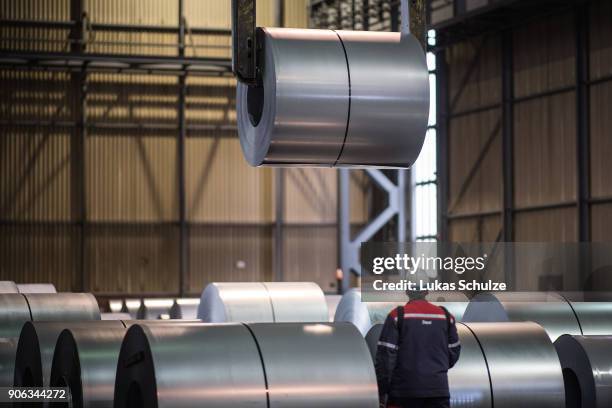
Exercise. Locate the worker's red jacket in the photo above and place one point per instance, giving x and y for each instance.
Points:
(416, 350)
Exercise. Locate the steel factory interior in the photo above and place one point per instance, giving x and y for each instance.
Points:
(194, 196)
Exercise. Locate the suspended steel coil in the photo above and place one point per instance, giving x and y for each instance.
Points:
(587, 370)
(263, 302)
(335, 98)
(255, 365)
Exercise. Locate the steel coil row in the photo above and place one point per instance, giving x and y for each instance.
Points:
(18, 308)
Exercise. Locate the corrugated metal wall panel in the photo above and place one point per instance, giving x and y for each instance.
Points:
(601, 39)
(545, 150)
(220, 254)
(474, 83)
(601, 142)
(40, 253)
(221, 187)
(311, 255)
(474, 136)
(133, 259)
(544, 56)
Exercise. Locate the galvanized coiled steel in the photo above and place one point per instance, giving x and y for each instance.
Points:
(17, 309)
(335, 98)
(366, 314)
(8, 287)
(85, 361)
(255, 365)
(263, 302)
(501, 365)
(34, 355)
(36, 288)
(566, 313)
(587, 370)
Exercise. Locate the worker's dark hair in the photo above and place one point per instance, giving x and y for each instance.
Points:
(417, 294)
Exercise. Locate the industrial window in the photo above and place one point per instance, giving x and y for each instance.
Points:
(424, 172)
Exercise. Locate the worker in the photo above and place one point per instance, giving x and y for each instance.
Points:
(417, 346)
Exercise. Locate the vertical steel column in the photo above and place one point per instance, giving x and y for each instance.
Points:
(78, 168)
(279, 188)
(182, 131)
(402, 175)
(508, 150)
(583, 147)
(442, 152)
(365, 15)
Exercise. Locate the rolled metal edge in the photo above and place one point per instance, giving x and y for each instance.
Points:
(115, 316)
(169, 365)
(316, 365)
(63, 306)
(587, 370)
(332, 305)
(361, 314)
(297, 302)
(85, 361)
(523, 365)
(36, 345)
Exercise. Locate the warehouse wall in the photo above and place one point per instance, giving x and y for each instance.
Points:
(114, 227)
(545, 168)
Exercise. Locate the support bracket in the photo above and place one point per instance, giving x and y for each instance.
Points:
(244, 41)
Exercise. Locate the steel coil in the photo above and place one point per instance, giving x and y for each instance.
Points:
(257, 365)
(186, 308)
(153, 309)
(36, 346)
(8, 287)
(8, 347)
(36, 288)
(63, 306)
(366, 314)
(587, 370)
(316, 365)
(324, 95)
(548, 309)
(468, 380)
(593, 310)
(262, 302)
(85, 360)
(14, 312)
(524, 369)
(189, 366)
